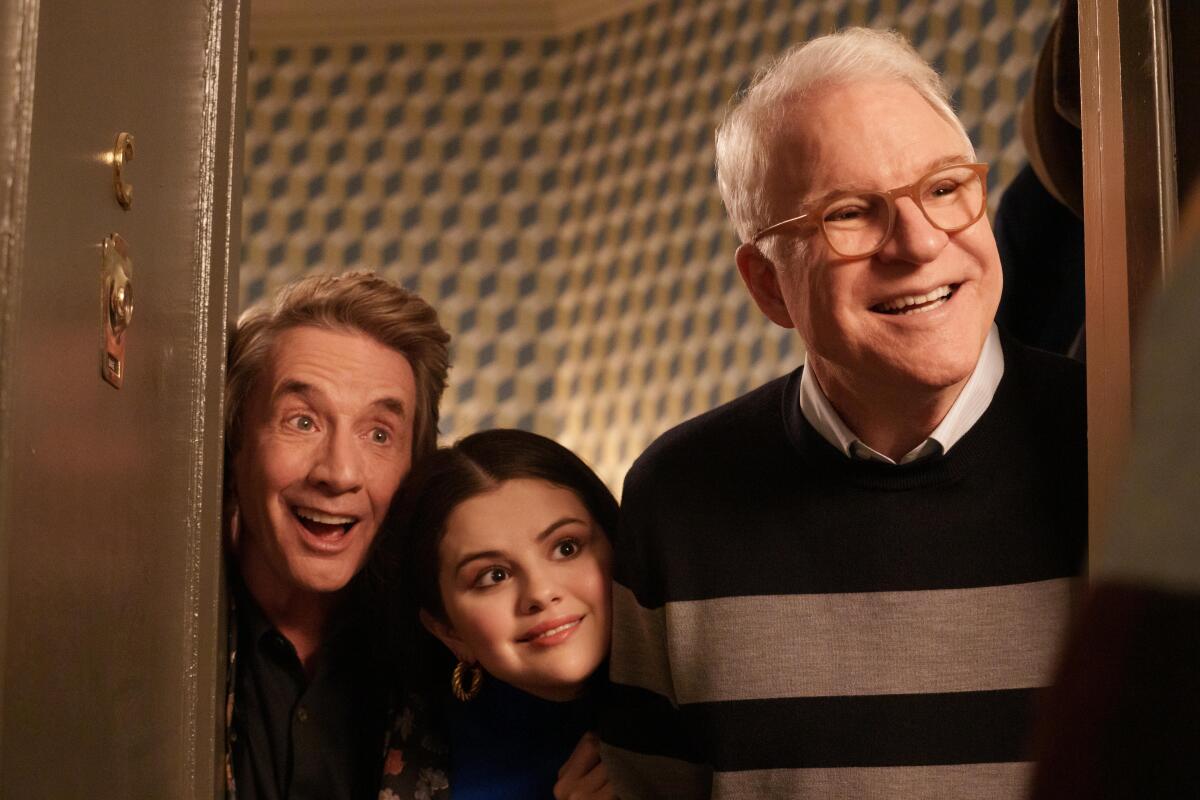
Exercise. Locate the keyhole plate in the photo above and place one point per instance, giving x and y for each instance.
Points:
(116, 306)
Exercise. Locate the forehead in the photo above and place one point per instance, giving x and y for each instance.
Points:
(867, 134)
(347, 366)
(512, 514)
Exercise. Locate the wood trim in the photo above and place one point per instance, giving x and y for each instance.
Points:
(1130, 215)
(18, 60)
(217, 230)
(292, 22)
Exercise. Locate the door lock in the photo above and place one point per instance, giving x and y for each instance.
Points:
(116, 304)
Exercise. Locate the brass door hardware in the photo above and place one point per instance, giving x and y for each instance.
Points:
(122, 154)
(116, 306)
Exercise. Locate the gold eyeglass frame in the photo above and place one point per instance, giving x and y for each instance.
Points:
(889, 199)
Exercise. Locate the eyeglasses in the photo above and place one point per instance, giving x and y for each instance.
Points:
(858, 224)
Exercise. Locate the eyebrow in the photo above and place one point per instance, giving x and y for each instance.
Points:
(541, 537)
(291, 386)
(392, 404)
(930, 166)
(307, 390)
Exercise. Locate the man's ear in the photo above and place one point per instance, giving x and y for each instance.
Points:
(447, 636)
(762, 279)
(233, 526)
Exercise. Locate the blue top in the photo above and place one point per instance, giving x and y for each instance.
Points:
(507, 743)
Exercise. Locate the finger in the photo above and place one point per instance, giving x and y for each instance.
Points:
(585, 756)
(593, 786)
(596, 779)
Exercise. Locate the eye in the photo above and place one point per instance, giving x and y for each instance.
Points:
(944, 187)
(303, 422)
(847, 212)
(567, 548)
(380, 435)
(491, 577)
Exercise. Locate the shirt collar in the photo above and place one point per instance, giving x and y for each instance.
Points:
(966, 410)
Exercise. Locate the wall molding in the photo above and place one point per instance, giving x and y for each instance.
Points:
(297, 22)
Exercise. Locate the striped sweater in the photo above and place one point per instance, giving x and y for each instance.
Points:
(792, 623)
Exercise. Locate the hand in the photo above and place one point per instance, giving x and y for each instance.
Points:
(583, 777)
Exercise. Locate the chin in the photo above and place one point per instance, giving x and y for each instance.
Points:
(569, 681)
(938, 365)
(938, 378)
(560, 691)
(325, 582)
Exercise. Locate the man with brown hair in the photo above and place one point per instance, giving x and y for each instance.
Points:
(332, 394)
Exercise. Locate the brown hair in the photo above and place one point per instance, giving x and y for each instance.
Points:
(356, 301)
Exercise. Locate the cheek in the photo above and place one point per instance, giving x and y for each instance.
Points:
(386, 477)
(593, 584)
(980, 248)
(276, 464)
(993, 277)
(980, 245)
(821, 301)
(597, 593)
(256, 471)
(483, 624)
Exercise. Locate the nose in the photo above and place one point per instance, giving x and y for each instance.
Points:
(539, 591)
(914, 238)
(337, 467)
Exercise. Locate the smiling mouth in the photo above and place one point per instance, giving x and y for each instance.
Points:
(551, 633)
(318, 523)
(917, 304)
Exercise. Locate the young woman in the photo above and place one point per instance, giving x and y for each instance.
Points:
(509, 553)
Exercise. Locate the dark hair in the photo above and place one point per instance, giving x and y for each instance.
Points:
(402, 573)
(477, 464)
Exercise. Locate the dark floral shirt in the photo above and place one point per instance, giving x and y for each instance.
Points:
(415, 758)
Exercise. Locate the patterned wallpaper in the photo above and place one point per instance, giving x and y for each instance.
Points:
(555, 200)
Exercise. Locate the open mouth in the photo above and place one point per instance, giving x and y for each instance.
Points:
(318, 523)
(917, 304)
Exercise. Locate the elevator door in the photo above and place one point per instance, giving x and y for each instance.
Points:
(111, 681)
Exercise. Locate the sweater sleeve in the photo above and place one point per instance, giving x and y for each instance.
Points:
(645, 744)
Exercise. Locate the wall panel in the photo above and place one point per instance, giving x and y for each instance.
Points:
(554, 197)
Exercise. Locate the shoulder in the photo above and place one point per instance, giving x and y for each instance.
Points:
(716, 437)
(1054, 385)
(1040, 363)
(1041, 411)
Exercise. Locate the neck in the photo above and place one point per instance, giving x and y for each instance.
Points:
(301, 617)
(891, 420)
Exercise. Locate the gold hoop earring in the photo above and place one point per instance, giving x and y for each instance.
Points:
(456, 681)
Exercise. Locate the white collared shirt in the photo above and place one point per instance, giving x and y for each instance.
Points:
(968, 407)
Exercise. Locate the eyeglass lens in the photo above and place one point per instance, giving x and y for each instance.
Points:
(951, 198)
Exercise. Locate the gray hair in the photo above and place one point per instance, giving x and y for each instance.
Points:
(755, 116)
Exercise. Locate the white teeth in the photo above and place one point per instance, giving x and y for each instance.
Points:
(324, 519)
(905, 304)
(559, 629)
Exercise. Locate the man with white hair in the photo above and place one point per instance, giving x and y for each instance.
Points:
(852, 581)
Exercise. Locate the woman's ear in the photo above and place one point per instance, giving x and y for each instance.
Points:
(762, 279)
(446, 635)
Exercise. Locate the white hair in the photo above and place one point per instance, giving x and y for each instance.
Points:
(745, 137)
